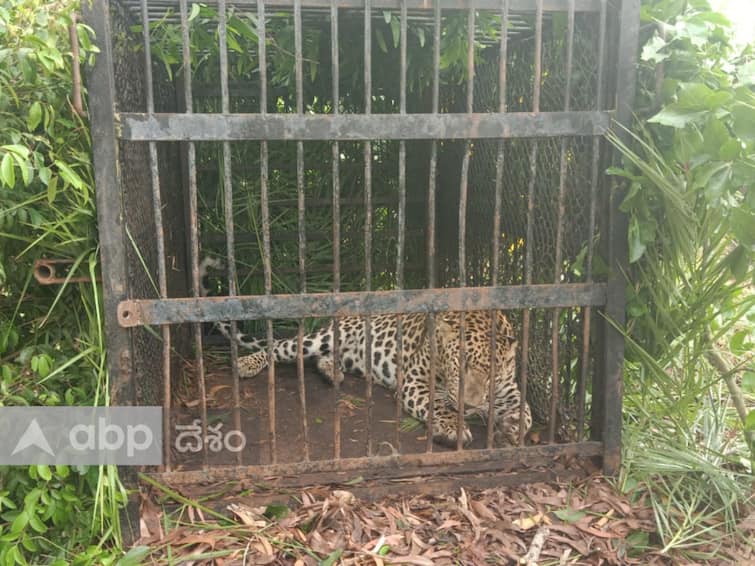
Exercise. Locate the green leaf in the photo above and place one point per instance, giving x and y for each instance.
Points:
(748, 381)
(743, 225)
(135, 556)
(746, 73)
(569, 515)
(7, 171)
(44, 472)
(20, 522)
(36, 524)
(69, 175)
(651, 50)
(194, 11)
(730, 150)
(332, 557)
(396, 30)
(421, 36)
(387, 16)
(636, 245)
(750, 420)
(52, 189)
(676, 116)
(381, 41)
(715, 135)
(34, 117)
(743, 121)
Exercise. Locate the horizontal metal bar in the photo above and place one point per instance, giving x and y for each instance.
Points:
(361, 127)
(399, 465)
(515, 5)
(215, 309)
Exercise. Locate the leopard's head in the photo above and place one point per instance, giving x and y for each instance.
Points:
(477, 365)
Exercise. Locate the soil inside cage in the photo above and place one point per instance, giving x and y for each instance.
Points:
(321, 398)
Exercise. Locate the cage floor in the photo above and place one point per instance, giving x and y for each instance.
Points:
(289, 429)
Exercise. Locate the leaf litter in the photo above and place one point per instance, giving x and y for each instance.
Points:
(581, 523)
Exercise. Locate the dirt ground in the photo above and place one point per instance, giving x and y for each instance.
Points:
(320, 410)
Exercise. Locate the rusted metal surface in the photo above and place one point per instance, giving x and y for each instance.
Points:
(613, 351)
(494, 123)
(585, 357)
(360, 127)
(248, 307)
(558, 263)
(101, 84)
(157, 211)
(395, 466)
(496, 237)
(525, 342)
(193, 219)
(57, 271)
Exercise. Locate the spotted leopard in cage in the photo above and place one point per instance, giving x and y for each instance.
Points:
(415, 363)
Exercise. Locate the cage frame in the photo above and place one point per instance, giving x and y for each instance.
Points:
(110, 126)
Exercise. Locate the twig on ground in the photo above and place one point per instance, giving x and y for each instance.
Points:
(536, 547)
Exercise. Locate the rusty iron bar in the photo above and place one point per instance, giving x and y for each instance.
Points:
(394, 466)
(157, 213)
(45, 272)
(265, 206)
(530, 214)
(136, 126)
(336, 205)
(193, 220)
(135, 312)
(557, 268)
(431, 204)
(401, 229)
(594, 180)
(228, 214)
(612, 362)
(463, 190)
(301, 219)
(502, 67)
(368, 215)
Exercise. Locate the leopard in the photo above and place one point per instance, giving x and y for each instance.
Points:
(415, 366)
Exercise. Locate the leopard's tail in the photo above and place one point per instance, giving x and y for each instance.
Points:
(240, 338)
(314, 344)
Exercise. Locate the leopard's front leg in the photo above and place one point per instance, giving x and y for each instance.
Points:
(415, 397)
(507, 414)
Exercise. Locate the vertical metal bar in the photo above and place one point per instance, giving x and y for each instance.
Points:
(431, 191)
(530, 215)
(594, 178)
(300, 203)
(193, 220)
(502, 56)
(336, 173)
(463, 225)
(265, 205)
(102, 107)
(401, 240)
(157, 210)
(468, 152)
(228, 214)
(613, 353)
(368, 214)
(557, 268)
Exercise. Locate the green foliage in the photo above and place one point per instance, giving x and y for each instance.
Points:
(51, 343)
(689, 170)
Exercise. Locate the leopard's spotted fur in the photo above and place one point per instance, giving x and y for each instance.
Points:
(415, 364)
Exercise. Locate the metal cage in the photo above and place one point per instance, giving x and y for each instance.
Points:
(494, 204)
